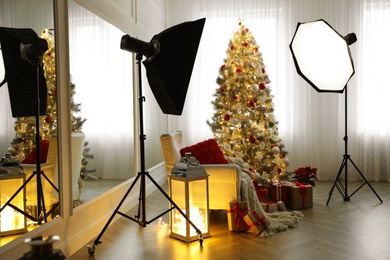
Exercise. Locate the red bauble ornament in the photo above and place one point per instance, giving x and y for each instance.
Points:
(232, 47)
(48, 119)
(238, 70)
(278, 169)
(281, 156)
(245, 44)
(235, 97)
(223, 67)
(263, 70)
(252, 139)
(262, 86)
(222, 89)
(256, 49)
(251, 103)
(226, 117)
(246, 29)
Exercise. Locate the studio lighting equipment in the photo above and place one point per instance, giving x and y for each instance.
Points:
(170, 57)
(22, 52)
(316, 49)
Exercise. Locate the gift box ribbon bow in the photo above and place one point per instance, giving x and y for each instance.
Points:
(238, 215)
(260, 220)
(302, 190)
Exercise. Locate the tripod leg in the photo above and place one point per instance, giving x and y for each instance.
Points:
(343, 163)
(365, 182)
(41, 200)
(175, 206)
(96, 241)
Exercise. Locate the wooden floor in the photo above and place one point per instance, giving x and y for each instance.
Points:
(357, 229)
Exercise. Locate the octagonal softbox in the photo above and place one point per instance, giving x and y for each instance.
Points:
(322, 56)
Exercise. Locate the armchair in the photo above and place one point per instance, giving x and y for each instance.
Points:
(224, 179)
(50, 169)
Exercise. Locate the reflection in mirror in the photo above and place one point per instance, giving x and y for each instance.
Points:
(102, 77)
(18, 129)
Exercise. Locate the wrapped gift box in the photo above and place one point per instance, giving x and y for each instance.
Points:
(281, 206)
(269, 206)
(235, 215)
(256, 221)
(281, 192)
(261, 191)
(301, 196)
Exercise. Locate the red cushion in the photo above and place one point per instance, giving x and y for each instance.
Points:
(206, 152)
(31, 158)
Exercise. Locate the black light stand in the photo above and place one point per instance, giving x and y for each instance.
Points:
(29, 56)
(343, 189)
(140, 218)
(172, 50)
(315, 47)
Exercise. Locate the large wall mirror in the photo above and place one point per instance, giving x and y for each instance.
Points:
(17, 131)
(102, 107)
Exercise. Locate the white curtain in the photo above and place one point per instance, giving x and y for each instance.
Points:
(102, 73)
(311, 124)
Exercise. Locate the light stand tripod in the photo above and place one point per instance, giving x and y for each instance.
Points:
(38, 173)
(140, 218)
(343, 189)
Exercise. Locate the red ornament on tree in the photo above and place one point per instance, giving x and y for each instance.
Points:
(262, 86)
(223, 67)
(263, 70)
(252, 139)
(256, 49)
(48, 119)
(226, 117)
(251, 103)
(222, 89)
(235, 97)
(245, 44)
(278, 169)
(238, 70)
(232, 47)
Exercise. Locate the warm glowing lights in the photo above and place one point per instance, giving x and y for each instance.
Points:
(11, 221)
(190, 194)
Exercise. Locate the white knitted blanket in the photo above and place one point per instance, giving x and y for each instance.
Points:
(279, 221)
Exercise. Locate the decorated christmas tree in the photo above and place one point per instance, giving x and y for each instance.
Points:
(243, 122)
(25, 137)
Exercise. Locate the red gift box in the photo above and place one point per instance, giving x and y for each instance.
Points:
(281, 192)
(261, 191)
(235, 215)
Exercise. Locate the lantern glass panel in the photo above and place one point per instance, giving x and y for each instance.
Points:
(11, 221)
(191, 196)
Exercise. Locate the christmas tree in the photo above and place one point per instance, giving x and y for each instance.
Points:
(243, 122)
(25, 136)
